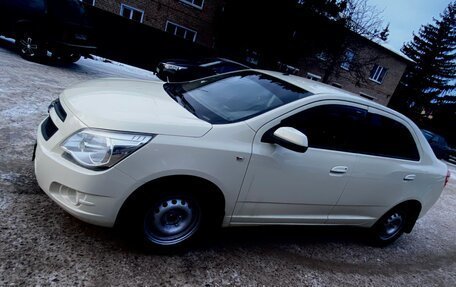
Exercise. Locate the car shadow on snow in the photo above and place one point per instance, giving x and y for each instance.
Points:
(254, 236)
(269, 237)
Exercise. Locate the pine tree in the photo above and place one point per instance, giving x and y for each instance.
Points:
(434, 53)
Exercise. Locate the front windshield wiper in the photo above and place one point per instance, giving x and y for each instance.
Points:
(179, 98)
(183, 102)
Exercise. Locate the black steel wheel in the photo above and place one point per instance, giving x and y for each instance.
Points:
(30, 46)
(390, 226)
(171, 220)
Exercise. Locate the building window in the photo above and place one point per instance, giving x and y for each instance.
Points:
(88, 2)
(313, 77)
(131, 13)
(323, 56)
(195, 3)
(252, 57)
(377, 74)
(349, 56)
(180, 31)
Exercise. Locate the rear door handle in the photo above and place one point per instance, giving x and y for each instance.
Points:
(410, 177)
(339, 169)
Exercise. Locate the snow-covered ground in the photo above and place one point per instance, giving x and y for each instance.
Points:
(41, 245)
(115, 69)
(101, 67)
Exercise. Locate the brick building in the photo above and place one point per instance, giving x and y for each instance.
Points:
(379, 78)
(193, 20)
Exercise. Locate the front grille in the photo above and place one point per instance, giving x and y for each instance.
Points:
(48, 129)
(58, 109)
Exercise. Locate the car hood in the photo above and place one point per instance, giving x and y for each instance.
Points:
(131, 105)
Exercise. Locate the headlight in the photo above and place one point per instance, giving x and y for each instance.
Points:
(173, 67)
(96, 149)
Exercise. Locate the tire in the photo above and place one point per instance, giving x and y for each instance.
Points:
(31, 47)
(390, 226)
(170, 221)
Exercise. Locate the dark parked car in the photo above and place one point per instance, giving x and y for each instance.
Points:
(61, 27)
(440, 146)
(180, 70)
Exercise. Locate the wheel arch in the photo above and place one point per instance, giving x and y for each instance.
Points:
(413, 207)
(196, 184)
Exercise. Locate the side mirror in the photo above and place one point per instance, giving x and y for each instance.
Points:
(291, 138)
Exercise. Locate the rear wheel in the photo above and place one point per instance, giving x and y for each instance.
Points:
(30, 46)
(390, 226)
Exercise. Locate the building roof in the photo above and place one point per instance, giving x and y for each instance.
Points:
(397, 52)
(385, 46)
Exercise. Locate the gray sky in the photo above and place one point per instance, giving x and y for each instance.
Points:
(407, 16)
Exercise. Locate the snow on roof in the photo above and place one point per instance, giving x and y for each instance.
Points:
(395, 51)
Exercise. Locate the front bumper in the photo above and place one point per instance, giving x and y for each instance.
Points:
(91, 196)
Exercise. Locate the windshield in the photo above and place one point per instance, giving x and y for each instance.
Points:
(234, 97)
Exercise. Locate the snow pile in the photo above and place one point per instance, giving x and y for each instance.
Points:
(116, 69)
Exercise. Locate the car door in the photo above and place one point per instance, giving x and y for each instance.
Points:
(283, 186)
(388, 171)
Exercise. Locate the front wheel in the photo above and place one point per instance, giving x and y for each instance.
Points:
(172, 220)
(390, 226)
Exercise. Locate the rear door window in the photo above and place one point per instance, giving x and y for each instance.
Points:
(389, 138)
(352, 129)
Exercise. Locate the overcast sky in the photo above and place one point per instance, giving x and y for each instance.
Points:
(407, 16)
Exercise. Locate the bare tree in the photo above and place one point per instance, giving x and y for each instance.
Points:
(359, 20)
(365, 19)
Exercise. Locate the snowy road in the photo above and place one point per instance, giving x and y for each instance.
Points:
(42, 245)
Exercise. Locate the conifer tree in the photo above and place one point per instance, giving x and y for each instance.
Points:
(434, 53)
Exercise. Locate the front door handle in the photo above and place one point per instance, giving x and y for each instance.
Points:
(409, 177)
(339, 169)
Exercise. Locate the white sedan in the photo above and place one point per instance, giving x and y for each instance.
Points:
(172, 160)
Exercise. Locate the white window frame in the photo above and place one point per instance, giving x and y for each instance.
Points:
(123, 6)
(377, 74)
(346, 64)
(183, 27)
(190, 2)
(323, 56)
(93, 2)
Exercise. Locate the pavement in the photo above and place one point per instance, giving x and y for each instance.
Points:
(41, 245)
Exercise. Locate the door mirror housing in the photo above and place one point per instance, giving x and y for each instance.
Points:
(291, 138)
